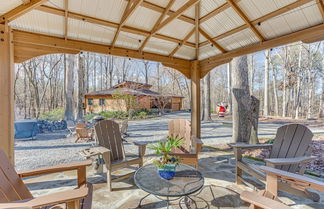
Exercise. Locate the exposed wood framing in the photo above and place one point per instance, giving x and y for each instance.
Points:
(304, 34)
(217, 11)
(25, 1)
(184, 40)
(20, 10)
(314, 39)
(204, 69)
(34, 39)
(97, 21)
(260, 20)
(66, 8)
(246, 19)
(153, 31)
(130, 9)
(195, 99)
(176, 14)
(321, 7)
(197, 22)
(6, 92)
(211, 40)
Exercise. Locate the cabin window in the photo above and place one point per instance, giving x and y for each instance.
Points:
(90, 101)
(102, 102)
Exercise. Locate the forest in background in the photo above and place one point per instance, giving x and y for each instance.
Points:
(288, 81)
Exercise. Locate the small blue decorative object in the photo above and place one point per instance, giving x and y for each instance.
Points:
(168, 171)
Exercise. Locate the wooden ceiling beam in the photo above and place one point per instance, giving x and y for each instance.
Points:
(216, 11)
(321, 7)
(20, 10)
(153, 31)
(35, 39)
(106, 23)
(66, 19)
(160, 9)
(25, 1)
(183, 41)
(246, 19)
(176, 14)
(266, 17)
(197, 23)
(214, 43)
(305, 34)
(130, 9)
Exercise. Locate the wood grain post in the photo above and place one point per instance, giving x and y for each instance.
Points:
(195, 99)
(238, 171)
(82, 176)
(6, 92)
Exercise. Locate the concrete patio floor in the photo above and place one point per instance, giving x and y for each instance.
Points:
(216, 166)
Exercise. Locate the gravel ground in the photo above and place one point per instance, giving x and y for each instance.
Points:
(55, 148)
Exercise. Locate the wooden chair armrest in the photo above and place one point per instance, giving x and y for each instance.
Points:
(261, 201)
(47, 200)
(249, 146)
(294, 178)
(55, 169)
(289, 161)
(136, 143)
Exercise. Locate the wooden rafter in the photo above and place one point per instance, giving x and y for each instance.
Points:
(308, 33)
(66, 9)
(153, 31)
(25, 1)
(20, 10)
(130, 8)
(22, 37)
(183, 41)
(106, 23)
(260, 20)
(246, 19)
(176, 14)
(320, 7)
(197, 15)
(214, 43)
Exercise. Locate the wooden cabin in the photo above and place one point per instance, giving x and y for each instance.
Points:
(103, 100)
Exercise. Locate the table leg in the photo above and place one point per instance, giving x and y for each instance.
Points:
(140, 202)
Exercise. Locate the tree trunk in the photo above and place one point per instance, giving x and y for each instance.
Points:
(251, 72)
(255, 107)
(69, 71)
(275, 93)
(80, 87)
(266, 82)
(111, 70)
(229, 86)
(321, 104)
(241, 100)
(207, 114)
(284, 96)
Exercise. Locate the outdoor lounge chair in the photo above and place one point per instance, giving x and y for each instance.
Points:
(83, 132)
(290, 151)
(109, 138)
(188, 152)
(268, 198)
(123, 128)
(15, 194)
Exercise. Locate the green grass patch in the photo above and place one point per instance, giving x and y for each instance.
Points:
(54, 115)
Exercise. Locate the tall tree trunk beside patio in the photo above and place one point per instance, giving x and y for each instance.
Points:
(229, 85)
(297, 96)
(207, 114)
(250, 58)
(266, 83)
(80, 87)
(321, 105)
(255, 109)
(68, 111)
(241, 100)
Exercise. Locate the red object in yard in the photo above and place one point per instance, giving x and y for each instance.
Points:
(221, 111)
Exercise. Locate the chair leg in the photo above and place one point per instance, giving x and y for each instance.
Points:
(109, 180)
(73, 205)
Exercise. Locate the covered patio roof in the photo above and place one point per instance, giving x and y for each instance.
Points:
(191, 36)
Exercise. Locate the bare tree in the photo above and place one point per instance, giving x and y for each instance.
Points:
(266, 83)
(207, 107)
(69, 74)
(229, 85)
(80, 87)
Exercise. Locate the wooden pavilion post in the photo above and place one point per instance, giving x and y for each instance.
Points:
(195, 99)
(6, 91)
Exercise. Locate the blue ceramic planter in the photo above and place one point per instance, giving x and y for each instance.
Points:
(168, 172)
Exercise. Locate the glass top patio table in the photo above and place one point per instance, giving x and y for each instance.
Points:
(187, 180)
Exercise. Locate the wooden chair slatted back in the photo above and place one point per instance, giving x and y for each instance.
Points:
(81, 125)
(108, 136)
(291, 140)
(12, 188)
(181, 128)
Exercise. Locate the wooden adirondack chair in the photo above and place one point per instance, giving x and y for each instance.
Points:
(83, 132)
(290, 151)
(109, 137)
(268, 198)
(15, 194)
(188, 152)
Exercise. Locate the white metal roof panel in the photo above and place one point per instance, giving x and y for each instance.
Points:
(186, 52)
(243, 38)
(159, 46)
(208, 51)
(208, 6)
(129, 40)
(40, 22)
(8, 5)
(139, 18)
(177, 29)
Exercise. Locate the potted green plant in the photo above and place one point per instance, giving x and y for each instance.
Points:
(167, 163)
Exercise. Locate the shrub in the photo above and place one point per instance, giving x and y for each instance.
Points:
(54, 115)
(141, 115)
(88, 117)
(114, 114)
